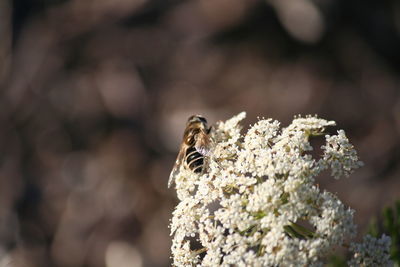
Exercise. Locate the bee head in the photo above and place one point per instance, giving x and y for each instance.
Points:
(197, 119)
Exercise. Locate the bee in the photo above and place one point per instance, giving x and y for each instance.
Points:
(194, 148)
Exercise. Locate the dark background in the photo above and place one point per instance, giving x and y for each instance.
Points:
(95, 94)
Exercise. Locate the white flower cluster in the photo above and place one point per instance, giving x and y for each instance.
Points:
(372, 252)
(257, 204)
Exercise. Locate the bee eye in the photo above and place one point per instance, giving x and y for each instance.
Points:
(202, 119)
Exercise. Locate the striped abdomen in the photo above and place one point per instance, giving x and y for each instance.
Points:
(194, 160)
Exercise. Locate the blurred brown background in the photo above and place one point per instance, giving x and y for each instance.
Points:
(95, 94)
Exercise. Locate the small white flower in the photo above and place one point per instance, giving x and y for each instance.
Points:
(340, 155)
(371, 252)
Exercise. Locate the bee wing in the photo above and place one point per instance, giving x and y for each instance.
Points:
(203, 145)
(177, 165)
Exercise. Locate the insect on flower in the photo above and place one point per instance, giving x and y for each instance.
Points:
(194, 148)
